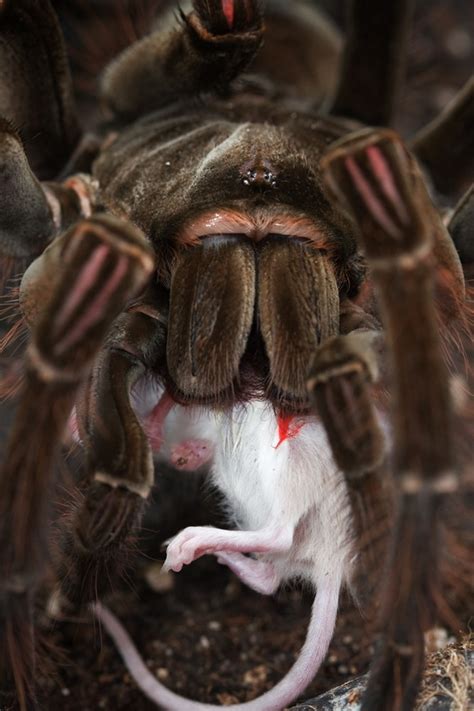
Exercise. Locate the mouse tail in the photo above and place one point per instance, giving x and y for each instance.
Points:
(318, 638)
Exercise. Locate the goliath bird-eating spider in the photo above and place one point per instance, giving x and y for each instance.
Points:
(251, 238)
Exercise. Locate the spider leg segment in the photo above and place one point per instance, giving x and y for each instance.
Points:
(215, 43)
(374, 178)
(221, 17)
(341, 372)
(119, 458)
(449, 169)
(98, 266)
(72, 199)
(373, 61)
(33, 213)
(461, 227)
(26, 219)
(35, 85)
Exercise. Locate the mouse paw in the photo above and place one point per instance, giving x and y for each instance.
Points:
(191, 454)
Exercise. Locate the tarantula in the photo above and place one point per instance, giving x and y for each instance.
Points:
(230, 246)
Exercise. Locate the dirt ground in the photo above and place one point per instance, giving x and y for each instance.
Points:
(207, 637)
(201, 632)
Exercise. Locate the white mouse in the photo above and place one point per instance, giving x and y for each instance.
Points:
(290, 506)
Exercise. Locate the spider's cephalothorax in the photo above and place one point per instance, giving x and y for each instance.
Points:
(223, 235)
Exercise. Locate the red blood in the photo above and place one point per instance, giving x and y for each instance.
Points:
(228, 10)
(287, 428)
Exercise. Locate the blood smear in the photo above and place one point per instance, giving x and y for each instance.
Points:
(228, 9)
(287, 428)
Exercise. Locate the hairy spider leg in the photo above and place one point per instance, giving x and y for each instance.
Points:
(372, 175)
(64, 342)
(373, 60)
(120, 471)
(451, 168)
(36, 93)
(200, 56)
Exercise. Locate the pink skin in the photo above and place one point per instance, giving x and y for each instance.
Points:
(196, 541)
(186, 456)
(258, 575)
(155, 421)
(191, 454)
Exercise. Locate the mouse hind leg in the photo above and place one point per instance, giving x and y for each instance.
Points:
(259, 575)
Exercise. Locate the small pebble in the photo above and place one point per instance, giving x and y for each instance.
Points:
(215, 626)
(343, 669)
(458, 43)
(65, 692)
(257, 675)
(227, 699)
(54, 607)
(160, 581)
(354, 697)
(204, 642)
(233, 589)
(106, 678)
(437, 638)
(162, 674)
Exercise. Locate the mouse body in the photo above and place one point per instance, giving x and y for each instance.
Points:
(289, 507)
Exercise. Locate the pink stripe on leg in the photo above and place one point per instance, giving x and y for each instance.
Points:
(87, 279)
(228, 9)
(371, 200)
(384, 174)
(96, 310)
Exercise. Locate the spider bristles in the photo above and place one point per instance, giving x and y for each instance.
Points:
(98, 541)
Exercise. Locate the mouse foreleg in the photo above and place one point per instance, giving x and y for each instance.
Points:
(196, 541)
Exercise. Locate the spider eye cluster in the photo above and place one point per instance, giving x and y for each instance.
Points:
(261, 177)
